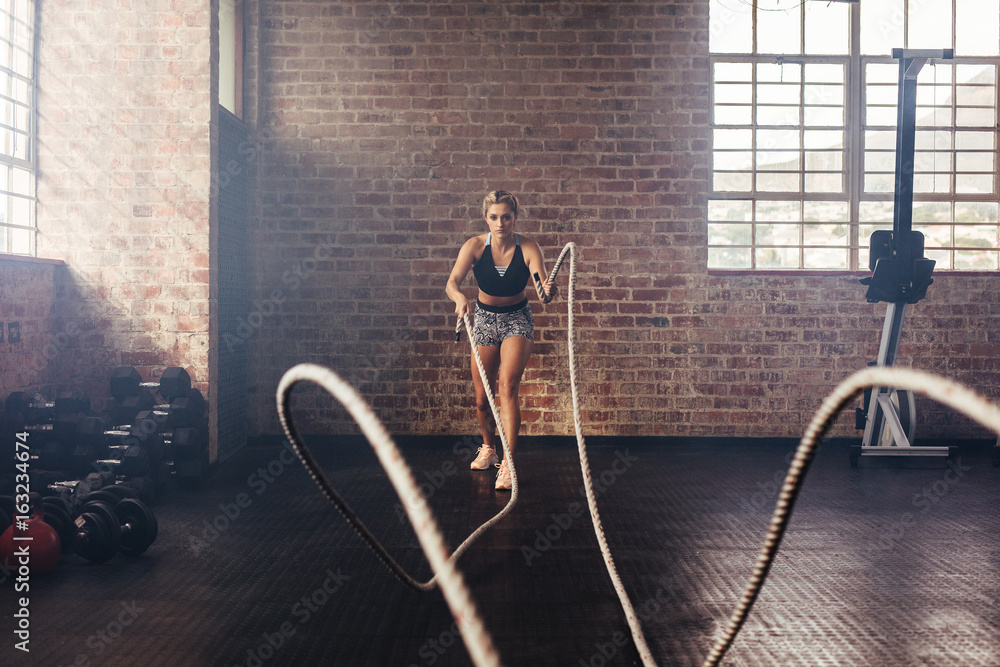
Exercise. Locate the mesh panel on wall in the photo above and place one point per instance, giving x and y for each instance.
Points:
(235, 322)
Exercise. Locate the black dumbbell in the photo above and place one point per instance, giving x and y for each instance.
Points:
(185, 411)
(89, 444)
(125, 410)
(60, 518)
(126, 381)
(34, 409)
(187, 451)
(127, 526)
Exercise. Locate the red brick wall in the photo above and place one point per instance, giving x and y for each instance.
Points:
(27, 294)
(384, 123)
(124, 182)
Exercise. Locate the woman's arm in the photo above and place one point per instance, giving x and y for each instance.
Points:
(466, 256)
(536, 264)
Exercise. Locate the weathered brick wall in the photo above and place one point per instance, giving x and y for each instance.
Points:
(27, 295)
(384, 123)
(124, 182)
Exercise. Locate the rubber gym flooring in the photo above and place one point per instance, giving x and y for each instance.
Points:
(879, 566)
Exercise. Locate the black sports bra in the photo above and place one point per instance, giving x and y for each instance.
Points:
(511, 282)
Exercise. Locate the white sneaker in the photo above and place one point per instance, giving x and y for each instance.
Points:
(487, 457)
(503, 477)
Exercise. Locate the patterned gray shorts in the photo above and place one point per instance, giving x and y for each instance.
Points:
(494, 324)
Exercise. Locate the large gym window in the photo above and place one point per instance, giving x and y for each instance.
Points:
(803, 127)
(17, 127)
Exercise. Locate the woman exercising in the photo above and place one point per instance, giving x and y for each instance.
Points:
(502, 262)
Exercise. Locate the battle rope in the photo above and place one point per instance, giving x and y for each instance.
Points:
(477, 639)
(940, 389)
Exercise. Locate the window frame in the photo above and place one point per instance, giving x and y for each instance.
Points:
(11, 161)
(853, 163)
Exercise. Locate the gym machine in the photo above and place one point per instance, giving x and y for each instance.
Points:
(900, 276)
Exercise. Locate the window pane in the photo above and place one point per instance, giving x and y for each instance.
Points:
(728, 234)
(935, 236)
(21, 183)
(732, 182)
(875, 211)
(819, 182)
(21, 211)
(881, 94)
(775, 73)
(824, 94)
(779, 28)
(779, 211)
(975, 36)
(881, 27)
(21, 241)
(974, 184)
(732, 160)
(730, 209)
(778, 234)
(825, 258)
(931, 212)
(975, 117)
(776, 182)
(814, 235)
(824, 161)
(773, 115)
(733, 93)
(929, 24)
(975, 260)
(976, 212)
(827, 28)
(976, 236)
(879, 183)
(936, 182)
(880, 161)
(931, 161)
(823, 139)
(732, 115)
(739, 139)
(824, 116)
(880, 115)
(880, 140)
(777, 93)
(823, 73)
(729, 258)
(975, 161)
(772, 139)
(778, 160)
(974, 140)
(739, 72)
(777, 258)
(730, 27)
(826, 211)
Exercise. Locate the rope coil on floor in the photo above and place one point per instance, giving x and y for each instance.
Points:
(477, 639)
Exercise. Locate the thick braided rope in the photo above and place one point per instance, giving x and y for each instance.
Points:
(630, 616)
(945, 391)
(352, 518)
(474, 634)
